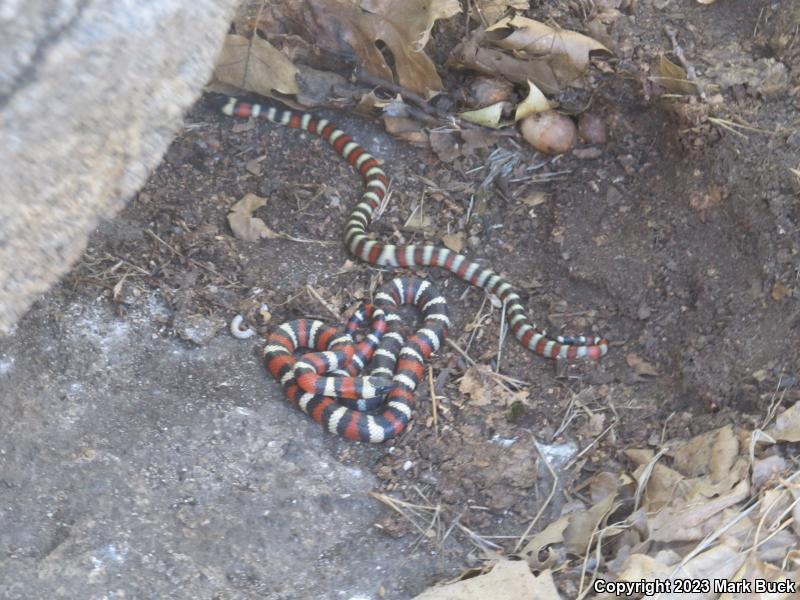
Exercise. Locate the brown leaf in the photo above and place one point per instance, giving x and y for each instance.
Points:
(492, 10)
(244, 225)
(478, 384)
(582, 525)
(682, 522)
(455, 241)
(550, 73)
(508, 580)
(521, 34)
(672, 77)
(780, 291)
(640, 366)
(787, 425)
(254, 64)
(406, 128)
(403, 26)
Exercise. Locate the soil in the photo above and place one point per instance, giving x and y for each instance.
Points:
(678, 241)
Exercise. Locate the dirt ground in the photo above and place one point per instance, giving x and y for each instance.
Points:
(679, 242)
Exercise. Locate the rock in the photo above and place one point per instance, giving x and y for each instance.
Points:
(91, 94)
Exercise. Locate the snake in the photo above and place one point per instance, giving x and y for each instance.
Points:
(346, 411)
(360, 244)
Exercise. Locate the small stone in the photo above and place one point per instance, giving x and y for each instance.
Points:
(588, 153)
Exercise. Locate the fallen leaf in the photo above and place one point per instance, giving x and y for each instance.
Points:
(492, 10)
(255, 65)
(780, 291)
(692, 458)
(489, 116)
(552, 534)
(720, 562)
(404, 28)
(508, 580)
(534, 199)
(787, 425)
(681, 522)
(474, 385)
(583, 524)
(640, 366)
(521, 34)
(550, 73)
(642, 567)
(477, 383)
(405, 128)
(533, 103)
(672, 77)
(244, 225)
(455, 241)
(418, 220)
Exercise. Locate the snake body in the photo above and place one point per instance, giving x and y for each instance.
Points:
(389, 352)
(360, 245)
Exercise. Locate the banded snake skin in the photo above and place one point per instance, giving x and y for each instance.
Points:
(326, 410)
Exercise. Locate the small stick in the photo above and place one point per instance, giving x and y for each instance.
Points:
(321, 300)
(492, 374)
(434, 404)
(501, 336)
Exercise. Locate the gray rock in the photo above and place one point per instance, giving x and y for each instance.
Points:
(91, 94)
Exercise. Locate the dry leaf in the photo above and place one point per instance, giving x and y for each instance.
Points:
(681, 522)
(455, 241)
(552, 534)
(551, 72)
(693, 457)
(583, 524)
(478, 384)
(404, 27)
(672, 77)
(244, 225)
(642, 567)
(719, 562)
(418, 220)
(533, 103)
(254, 64)
(405, 128)
(492, 10)
(787, 425)
(780, 291)
(640, 366)
(489, 116)
(661, 487)
(415, 16)
(534, 199)
(521, 34)
(508, 580)
(475, 384)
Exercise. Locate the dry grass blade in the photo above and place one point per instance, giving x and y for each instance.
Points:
(315, 294)
(523, 538)
(500, 378)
